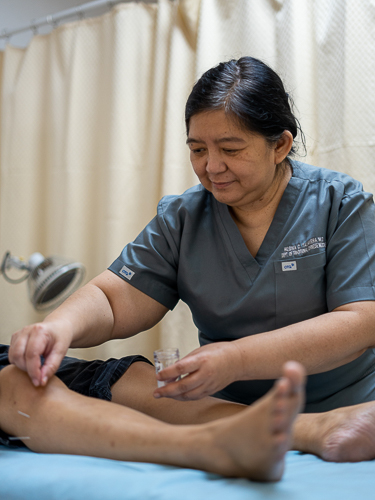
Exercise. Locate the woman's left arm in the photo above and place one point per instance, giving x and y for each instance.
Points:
(320, 344)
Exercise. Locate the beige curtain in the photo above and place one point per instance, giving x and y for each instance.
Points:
(92, 131)
(93, 136)
(1, 81)
(325, 52)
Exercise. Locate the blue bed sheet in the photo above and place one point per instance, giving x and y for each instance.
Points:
(25, 475)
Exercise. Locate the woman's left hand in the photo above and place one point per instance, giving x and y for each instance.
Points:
(206, 370)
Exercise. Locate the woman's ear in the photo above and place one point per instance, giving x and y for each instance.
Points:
(283, 146)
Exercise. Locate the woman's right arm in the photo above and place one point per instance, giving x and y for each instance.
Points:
(104, 309)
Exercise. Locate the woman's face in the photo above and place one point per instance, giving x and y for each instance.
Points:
(237, 166)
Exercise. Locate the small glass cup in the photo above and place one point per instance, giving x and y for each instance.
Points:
(164, 358)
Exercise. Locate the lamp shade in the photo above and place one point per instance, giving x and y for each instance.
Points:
(52, 280)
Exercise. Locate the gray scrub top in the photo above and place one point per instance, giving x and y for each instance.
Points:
(318, 254)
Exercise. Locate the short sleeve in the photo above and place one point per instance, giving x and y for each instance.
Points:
(150, 262)
(351, 251)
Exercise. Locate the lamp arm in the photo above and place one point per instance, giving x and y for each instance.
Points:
(9, 261)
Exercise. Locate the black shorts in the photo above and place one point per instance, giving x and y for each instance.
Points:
(90, 378)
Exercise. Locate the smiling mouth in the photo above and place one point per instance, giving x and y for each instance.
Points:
(221, 185)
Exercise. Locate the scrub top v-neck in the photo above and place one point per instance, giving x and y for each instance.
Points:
(318, 253)
(272, 237)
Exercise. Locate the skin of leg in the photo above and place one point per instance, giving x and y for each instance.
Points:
(135, 390)
(250, 444)
(341, 435)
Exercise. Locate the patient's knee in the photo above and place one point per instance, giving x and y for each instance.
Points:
(19, 398)
(16, 388)
(15, 385)
(10, 377)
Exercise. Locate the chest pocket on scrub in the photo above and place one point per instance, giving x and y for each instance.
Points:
(300, 288)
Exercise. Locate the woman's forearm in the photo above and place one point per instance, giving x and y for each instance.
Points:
(107, 308)
(87, 315)
(83, 320)
(104, 309)
(320, 344)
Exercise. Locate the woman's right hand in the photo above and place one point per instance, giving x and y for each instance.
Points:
(48, 339)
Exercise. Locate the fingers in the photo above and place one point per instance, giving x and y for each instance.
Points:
(29, 345)
(187, 365)
(26, 348)
(181, 391)
(37, 346)
(17, 350)
(195, 362)
(202, 371)
(50, 366)
(171, 376)
(190, 387)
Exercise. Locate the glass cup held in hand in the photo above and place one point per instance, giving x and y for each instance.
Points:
(164, 358)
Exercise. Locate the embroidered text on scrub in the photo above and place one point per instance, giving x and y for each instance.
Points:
(303, 248)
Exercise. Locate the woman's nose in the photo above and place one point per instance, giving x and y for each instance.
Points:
(215, 165)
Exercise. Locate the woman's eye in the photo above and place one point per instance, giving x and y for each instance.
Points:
(197, 151)
(230, 151)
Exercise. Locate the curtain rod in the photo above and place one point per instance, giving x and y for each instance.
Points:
(55, 18)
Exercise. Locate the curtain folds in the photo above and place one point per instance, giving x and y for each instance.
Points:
(92, 123)
(93, 137)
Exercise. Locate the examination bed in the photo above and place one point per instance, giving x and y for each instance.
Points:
(25, 475)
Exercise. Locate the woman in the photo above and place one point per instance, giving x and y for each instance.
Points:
(271, 255)
(276, 259)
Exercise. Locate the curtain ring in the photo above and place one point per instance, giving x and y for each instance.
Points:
(52, 21)
(33, 27)
(79, 13)
(5, 35)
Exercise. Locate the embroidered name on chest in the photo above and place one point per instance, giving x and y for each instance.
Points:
(303, 248)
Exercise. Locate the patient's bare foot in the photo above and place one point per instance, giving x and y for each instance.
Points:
(253, 443)
(342, 435)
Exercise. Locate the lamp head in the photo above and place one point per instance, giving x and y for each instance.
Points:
(49, 280)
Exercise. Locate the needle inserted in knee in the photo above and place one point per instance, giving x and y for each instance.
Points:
(20, 438)
(23, 414)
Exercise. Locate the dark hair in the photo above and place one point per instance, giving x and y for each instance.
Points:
(252, 93)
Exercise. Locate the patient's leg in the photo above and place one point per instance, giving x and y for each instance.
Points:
(345, 434)
(251, 444)
(135, 390)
